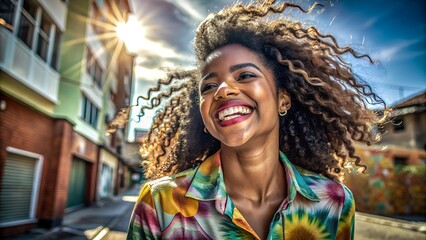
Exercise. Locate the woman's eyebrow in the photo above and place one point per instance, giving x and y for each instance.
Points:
(242, 65)
(231, 69)
(208, 75)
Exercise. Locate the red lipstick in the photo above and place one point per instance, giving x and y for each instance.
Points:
(235, 119)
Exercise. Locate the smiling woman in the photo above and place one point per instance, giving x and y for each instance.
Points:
(253, 142)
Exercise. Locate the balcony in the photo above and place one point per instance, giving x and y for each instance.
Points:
(17, 60)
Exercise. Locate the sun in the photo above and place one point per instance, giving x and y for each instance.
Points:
(131, 33)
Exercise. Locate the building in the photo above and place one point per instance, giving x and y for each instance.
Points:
(408, 128)
(61, 82)
(396, 167)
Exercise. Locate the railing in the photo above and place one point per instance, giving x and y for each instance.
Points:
(24, 65)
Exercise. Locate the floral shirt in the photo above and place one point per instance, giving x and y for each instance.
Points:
(194, 204)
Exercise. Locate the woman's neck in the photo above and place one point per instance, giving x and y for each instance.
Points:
(254, 173)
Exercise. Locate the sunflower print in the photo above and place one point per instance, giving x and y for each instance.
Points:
(299, 225)
(194, 204)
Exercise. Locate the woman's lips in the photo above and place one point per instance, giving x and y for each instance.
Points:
(233, 121)
(232, 112)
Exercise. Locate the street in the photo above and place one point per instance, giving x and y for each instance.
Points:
(109, 219)
(375, 227)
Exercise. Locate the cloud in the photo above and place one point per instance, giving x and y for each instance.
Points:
(190, 8)
(370, 22)
(398, 48)
(149, 74)
(161, 49)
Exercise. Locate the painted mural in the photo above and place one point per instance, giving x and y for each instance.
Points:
(394, 183)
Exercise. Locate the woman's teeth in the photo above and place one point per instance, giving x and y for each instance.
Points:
(233, 112)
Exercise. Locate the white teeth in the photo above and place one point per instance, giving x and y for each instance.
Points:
(233, 112)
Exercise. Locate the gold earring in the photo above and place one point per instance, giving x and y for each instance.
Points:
(282, 113)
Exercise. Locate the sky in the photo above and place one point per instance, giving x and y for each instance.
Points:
(392, 32)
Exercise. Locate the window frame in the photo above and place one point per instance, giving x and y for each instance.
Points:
(89, 112)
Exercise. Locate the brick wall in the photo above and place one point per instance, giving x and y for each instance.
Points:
(57, 175)
(23, 128)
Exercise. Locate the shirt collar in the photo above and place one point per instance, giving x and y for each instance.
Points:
(208, 184)
(295, 181)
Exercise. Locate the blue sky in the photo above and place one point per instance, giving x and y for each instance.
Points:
(393, 32)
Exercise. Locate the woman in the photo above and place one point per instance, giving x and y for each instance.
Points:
(252, 144)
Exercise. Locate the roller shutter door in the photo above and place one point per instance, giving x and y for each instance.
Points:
(17, 189)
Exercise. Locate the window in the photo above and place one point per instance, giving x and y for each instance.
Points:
(89, 112)
(33, 28)
(43, 37)
(93, 68)
(56, 49)
(27, 24)
(399, 125)
(7, 12)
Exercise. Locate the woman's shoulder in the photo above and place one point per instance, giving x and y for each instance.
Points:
(322, 184)
(178, 180)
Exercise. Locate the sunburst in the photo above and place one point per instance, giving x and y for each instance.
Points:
(117, 29)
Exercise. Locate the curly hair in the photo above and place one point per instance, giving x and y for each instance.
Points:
(329, 102)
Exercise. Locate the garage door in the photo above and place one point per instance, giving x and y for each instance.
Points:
(77, 185)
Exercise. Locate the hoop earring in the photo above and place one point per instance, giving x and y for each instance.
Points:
(205, 130)
(282, 113)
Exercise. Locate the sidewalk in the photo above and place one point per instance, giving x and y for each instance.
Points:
(369, 226)
(92, 222)
(392, 222)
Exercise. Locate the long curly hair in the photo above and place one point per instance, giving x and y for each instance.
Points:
(329, 102)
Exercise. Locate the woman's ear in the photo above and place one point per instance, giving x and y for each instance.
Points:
(284, 101)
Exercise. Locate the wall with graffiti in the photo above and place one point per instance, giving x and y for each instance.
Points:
(394, 183)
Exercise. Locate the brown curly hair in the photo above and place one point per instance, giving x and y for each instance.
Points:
(329, 102)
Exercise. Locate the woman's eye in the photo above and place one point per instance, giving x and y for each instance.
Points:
(206, 87)
(245, 75)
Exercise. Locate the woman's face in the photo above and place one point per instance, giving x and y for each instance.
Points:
(238, 97)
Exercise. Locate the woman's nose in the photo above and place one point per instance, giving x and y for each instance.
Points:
(226, 89)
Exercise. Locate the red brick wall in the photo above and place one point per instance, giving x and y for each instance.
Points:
(23, 128)
(58, 172)
(15, 230)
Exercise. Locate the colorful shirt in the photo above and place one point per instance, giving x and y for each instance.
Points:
(194, 204)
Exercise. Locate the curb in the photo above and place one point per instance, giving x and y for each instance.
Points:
(414, 226)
